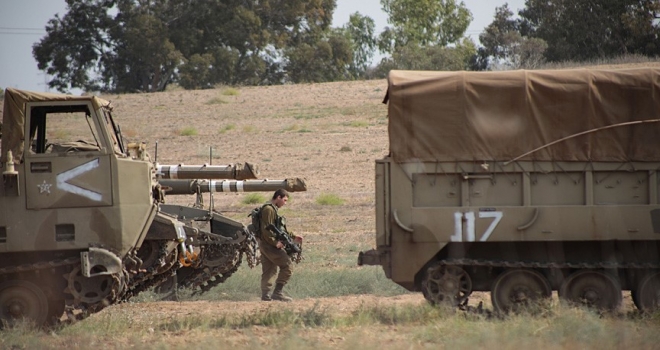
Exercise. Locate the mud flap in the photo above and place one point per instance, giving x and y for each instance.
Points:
(99, 257)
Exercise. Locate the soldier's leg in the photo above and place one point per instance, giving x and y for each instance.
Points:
(268, 271)
(283, 261)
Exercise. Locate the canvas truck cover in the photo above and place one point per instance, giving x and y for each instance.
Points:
(13, 116)
(498, 116)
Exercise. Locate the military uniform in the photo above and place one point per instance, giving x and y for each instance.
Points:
(271, 256)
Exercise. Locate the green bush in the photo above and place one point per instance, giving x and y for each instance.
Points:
(253, 198)
(188, 131)
(227, 128)
(216, 101)
(329, 199)
(231, 92)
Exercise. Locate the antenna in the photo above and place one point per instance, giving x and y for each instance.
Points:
(211, 188)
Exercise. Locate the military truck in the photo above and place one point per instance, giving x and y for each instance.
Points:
(521, 183)
(82, 221)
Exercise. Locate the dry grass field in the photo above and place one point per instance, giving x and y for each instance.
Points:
(329, 134)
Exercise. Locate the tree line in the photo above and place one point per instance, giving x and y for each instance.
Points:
(145, 45)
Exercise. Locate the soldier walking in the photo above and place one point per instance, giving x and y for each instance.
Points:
(273, 255)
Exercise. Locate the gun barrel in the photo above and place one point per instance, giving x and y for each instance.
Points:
(182, 187)
(236, 171)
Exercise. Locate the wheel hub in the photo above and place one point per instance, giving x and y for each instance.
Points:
(16, 309)
(91, 290)
(520, 295)
(449, 285)
(591, 297)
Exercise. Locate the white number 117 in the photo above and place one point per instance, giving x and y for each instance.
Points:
(470, 234)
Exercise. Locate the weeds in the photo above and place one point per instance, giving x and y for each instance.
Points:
(249, 129)
(188, 131)
(356, 124)
(231, 92)
(226, 128)
(367, 327)
(216, 101)
(329, 199)
(345, 149)
(292, 127)
(253, 198)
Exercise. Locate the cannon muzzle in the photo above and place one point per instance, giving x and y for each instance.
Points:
(236, 171)
(178, 187)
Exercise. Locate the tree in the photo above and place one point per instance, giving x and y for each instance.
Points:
(143, 45)
(321, 60)
(144, 59)
(423, 23)
(360, 30)
(503, 44)
(76, 45)
(582, 30)
(416, 57)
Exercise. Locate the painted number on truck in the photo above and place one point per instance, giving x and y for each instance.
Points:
(470, 231)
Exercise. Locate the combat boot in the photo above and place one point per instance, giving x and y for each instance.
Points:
(265, 296)
(277, 293)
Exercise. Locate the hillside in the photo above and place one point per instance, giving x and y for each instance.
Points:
(330, 134)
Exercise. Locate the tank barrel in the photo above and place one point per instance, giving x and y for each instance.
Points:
(183, 187)
(236, 171)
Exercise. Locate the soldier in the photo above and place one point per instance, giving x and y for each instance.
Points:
(273, 254)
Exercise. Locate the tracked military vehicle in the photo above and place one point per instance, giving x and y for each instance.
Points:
(82, 221)
(522, 183)
(75, 206)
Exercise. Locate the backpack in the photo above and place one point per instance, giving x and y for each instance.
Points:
(255, 226)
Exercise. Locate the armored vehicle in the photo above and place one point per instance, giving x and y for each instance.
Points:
(521, 183)
(83, 222)
(75, 206)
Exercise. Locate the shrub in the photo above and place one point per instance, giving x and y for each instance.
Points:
(188, 131)
(231, 92)
(216, 101)
(227, 128)
(329, 199)
(253, 198)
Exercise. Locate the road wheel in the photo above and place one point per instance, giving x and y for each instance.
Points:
(592, 288)
(20, 299)
(519, 289)
(647, 295)
(446, 285)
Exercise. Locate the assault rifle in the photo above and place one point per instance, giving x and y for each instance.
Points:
(290, 246)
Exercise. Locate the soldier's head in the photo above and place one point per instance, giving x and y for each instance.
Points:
(280, 197)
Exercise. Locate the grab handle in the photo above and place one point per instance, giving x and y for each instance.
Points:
(531, 222)
(398, 222)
